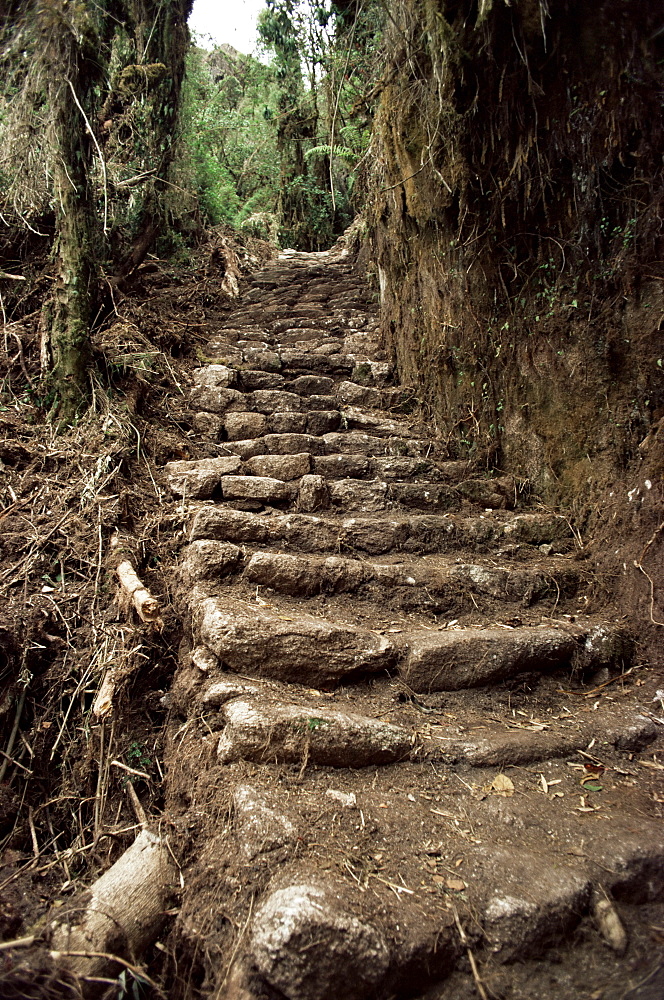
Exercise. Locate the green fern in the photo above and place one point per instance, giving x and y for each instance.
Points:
(343, 152)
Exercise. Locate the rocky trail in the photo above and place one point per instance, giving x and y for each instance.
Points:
(426, 743)
(410, 751)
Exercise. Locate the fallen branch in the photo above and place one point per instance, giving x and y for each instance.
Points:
(24, 942)
(122, 912)
(103, 703)
(589, 694)
(134, 590)
(146, 605)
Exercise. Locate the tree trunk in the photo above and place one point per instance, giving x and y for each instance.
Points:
(160, 36)
(65, 34)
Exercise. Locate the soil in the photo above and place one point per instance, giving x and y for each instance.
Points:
(539, 793)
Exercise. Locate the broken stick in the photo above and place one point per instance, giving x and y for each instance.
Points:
(146, 605)
(134, 589)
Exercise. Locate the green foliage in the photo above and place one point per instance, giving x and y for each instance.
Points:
(343, 152)
(228, 135)
(312, 225)
(281, 140)
(138, 756)
(317, 49)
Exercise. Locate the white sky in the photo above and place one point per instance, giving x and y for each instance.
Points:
(231, 21)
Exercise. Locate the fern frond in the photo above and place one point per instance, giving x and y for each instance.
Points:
(343, 152)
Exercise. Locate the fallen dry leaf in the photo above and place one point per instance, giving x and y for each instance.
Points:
(502, 785)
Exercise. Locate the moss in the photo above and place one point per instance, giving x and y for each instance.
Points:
(133, 80)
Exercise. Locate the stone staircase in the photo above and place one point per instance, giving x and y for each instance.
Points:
(381, 739)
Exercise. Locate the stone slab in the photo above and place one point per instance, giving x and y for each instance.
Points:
(304, 941)
(217, 376)
(353, 443)
(353, 394)
(303, 650)
(454, 659)
(284, 467)
(528, 901)
(262, 488)
(424, 496)
(244, 425)
(227, 525)
(286, 422)
(292, 734)
(342, 466)
(216, 400)
(311, 385)
(208, 425)
(209, 559)
(270, 400)
(291, 444)
(250, 381)
(313, 494)
(321, 422)
(199, 478)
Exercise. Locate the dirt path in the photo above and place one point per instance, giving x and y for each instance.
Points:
(409, 751)
(401, 748)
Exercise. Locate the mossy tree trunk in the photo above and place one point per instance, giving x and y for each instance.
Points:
(69, 38)
(160, 38)
(75, 46)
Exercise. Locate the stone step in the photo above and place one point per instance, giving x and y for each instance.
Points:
(273, 731)
(348, 394)
(375, 422)
(222, 399)
(502, 742)
(332, 443)
(468, 657)
(301, 649)
(356, 443)
(310, 363)
(304, 576)
(362, 496)
(304, 359)
(316, 415)
(429, 660)
(417, 534)
(283, 457)
(259, 490)
(199, 478)
(395, 882)
(388, 468)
